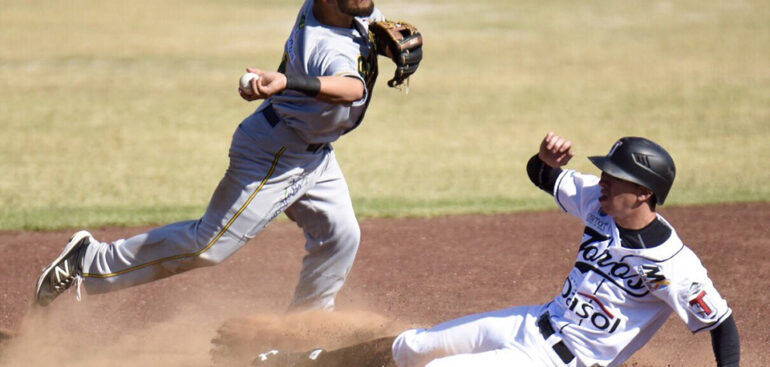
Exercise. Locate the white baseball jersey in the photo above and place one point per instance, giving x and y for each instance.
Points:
(315, 49)
(613, 301)
(616, 298)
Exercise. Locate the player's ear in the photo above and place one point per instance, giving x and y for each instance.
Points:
(645, 195)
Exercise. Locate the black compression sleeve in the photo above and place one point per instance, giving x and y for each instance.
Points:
(726, 343)
(309, 85)
(541, 174)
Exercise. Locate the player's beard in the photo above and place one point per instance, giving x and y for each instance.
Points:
(347, 8)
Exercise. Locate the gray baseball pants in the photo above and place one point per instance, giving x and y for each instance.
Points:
(271, 171)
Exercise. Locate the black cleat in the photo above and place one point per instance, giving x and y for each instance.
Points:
(64, 271)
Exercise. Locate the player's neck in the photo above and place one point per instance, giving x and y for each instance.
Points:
(331, 16)
(636, 219)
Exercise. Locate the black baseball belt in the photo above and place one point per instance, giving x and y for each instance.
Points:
(546, 329)
(272, 118)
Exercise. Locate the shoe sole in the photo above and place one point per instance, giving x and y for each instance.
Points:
(75, 240)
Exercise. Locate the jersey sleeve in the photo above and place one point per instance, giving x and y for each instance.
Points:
(574, 192)
(683, 283)
(329, 61)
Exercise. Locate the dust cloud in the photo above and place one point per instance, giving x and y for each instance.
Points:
(200, 333)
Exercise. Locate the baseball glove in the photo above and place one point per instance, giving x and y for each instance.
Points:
(402, 43)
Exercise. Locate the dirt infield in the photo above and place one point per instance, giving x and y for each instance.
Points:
(408, 272)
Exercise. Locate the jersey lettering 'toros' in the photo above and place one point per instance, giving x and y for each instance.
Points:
(314, 49)
(615, 298)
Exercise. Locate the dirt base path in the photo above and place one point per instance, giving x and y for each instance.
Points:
(408, 272)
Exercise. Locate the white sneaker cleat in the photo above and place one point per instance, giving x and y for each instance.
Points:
(64, 271)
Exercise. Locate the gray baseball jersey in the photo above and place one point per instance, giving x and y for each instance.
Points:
(318, 50)
(280, 162)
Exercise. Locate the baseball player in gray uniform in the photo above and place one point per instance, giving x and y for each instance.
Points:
(631, 272)
(281, 161)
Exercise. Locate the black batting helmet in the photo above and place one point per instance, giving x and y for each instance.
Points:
(642, 162)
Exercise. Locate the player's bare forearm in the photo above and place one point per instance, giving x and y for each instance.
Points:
(332, 89)
(555, 150)
(340, 89)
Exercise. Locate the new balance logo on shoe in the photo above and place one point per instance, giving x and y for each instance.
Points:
(64, 271)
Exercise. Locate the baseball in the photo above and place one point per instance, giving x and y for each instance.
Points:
(245, 83)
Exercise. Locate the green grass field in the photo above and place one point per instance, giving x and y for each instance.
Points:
(121, 113)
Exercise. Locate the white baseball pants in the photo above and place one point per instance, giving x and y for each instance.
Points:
(503, 338)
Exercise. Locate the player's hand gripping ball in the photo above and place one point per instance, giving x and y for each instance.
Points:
(245, 83)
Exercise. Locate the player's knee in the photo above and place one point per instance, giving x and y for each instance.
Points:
(345, 235)
(214, 247)
(351, 236)
(209, 256)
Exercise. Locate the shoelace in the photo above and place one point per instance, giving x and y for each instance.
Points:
(67, 283)
(78, 282)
